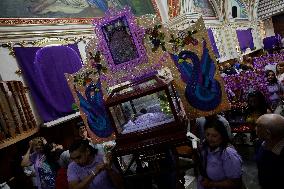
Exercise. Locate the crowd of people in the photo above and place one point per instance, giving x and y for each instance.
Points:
(219, 163)
(236, 67)
(274, 73)
(85, 164)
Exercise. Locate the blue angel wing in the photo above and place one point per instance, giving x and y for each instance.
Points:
(94, 109)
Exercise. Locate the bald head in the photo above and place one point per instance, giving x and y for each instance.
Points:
(274, 123)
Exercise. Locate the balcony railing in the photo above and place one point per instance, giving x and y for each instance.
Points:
(17, 121)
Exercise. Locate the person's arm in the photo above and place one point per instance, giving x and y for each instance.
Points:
(115, 177)
(26, 158)
(84, 184)
(227, 183)
(86, 181)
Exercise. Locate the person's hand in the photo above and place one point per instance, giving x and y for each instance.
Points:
(56, 147)
(31, 144)
(108, 157)
(44, 141)
(90, 140)
(99, 168)
(108, 160)
(59, 147)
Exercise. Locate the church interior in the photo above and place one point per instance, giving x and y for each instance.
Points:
(152, 94)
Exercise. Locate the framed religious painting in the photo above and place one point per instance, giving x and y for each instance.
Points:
(19, 12)
(120, 40)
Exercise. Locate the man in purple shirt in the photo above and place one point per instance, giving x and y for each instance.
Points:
(88, 169)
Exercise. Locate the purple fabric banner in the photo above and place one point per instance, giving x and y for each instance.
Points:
(44, 69)
(272, 42)
(245, 39)
(213, 43)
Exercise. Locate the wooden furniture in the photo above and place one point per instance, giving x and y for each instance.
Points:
(149, 124)
(160, 120)
(16, 118)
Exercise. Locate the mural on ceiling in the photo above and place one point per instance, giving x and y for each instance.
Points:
(242, 12)
(69, 8)
(204, 7)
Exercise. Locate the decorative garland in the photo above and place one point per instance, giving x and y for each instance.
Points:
(157, 38)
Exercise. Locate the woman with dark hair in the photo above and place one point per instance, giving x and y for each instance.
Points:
(256, 106)
(220, 164)
(274, 89)
(280, 72)
(88, 170)
(257, 103)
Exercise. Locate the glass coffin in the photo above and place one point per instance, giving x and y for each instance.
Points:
(142, 113)
(144, 109)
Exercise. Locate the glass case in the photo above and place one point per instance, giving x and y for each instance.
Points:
(144, 108)
(142, 113)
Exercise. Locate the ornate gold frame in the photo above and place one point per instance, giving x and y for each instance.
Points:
(43, 21)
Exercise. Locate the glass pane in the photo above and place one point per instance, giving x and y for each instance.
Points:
(142, 113)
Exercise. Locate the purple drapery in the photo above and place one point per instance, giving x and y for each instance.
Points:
(44, 69)
(245, 39)
(272, 42)
(213, 43)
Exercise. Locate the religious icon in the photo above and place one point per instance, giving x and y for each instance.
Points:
(121, 45)
(119, 40)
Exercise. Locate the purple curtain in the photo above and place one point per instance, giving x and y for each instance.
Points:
(272, 42)
(213, 43)
(44, 69)
(245, 39)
